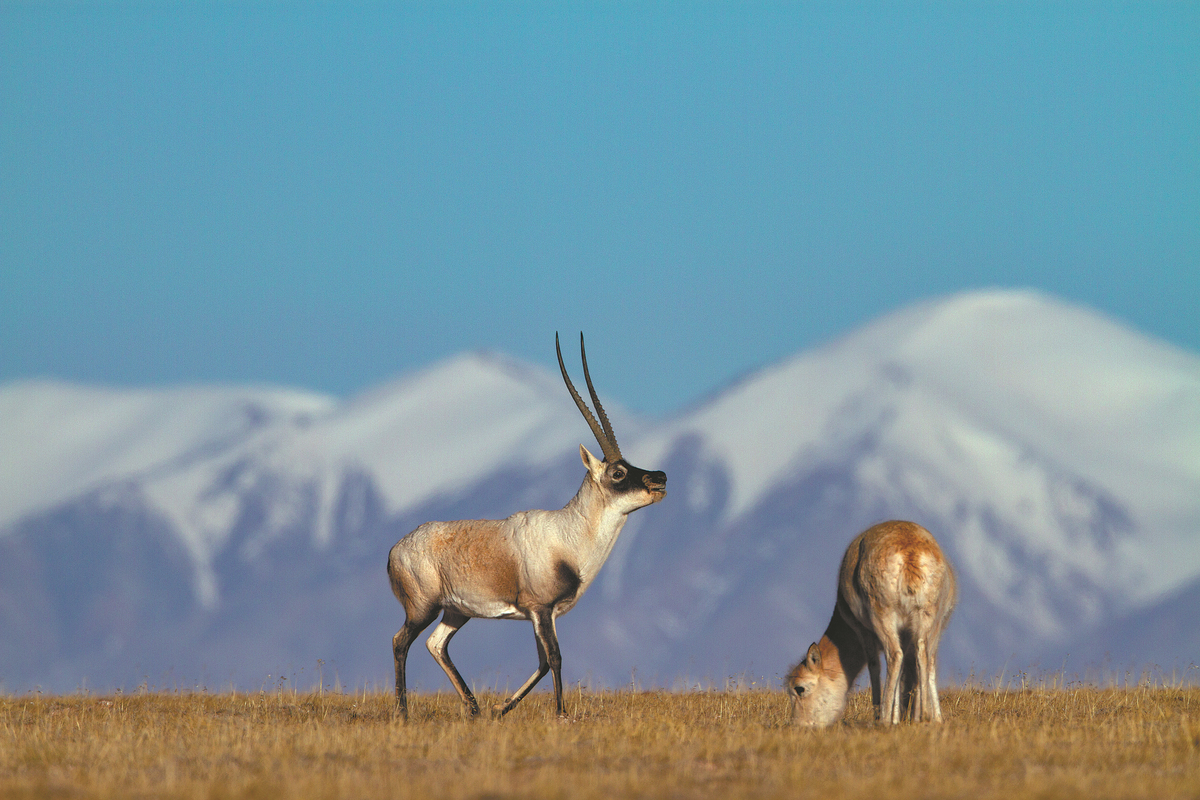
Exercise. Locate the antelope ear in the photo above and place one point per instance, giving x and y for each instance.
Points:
(813, 656)
(593, 464)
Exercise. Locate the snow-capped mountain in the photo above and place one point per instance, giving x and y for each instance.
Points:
(221, 534)
(1054, 452)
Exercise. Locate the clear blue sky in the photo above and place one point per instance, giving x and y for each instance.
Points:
(322, 196)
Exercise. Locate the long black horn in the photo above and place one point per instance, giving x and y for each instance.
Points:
(611, 453)
(608, 431)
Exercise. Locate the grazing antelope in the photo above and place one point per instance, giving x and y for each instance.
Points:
(895, 593)
(535, 565)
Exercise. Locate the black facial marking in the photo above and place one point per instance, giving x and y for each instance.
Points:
(634, 479)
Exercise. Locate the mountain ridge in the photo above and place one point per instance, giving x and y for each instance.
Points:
(1057, 528)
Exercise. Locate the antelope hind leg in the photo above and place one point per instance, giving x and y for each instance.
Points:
(438, 644)
(921, 710)
(400, 644)
(890, 711)
(935, 705)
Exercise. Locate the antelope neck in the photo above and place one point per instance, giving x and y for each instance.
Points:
(840, 646)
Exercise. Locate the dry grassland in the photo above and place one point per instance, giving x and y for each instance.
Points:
(1069, 742)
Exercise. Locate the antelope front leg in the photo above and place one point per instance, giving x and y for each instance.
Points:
(543, 668)
(543, 628)
(873, 674)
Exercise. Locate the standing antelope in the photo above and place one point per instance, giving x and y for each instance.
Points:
(535, 565)
(895, 593)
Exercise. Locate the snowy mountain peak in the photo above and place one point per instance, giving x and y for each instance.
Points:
(1052, 451)
(61, 440)
(1058, 378)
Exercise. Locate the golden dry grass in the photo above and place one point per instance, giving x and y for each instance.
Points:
(1074, 742)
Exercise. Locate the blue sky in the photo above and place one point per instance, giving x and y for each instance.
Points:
(327, 196)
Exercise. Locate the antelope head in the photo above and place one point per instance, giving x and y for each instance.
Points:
(817, 691)
(630, 487)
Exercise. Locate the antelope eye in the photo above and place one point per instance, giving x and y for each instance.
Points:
(618, 475)
(799, 690)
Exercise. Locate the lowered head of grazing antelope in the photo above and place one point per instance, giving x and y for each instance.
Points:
(534, 565)
(818, 686)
